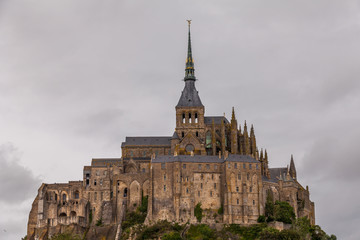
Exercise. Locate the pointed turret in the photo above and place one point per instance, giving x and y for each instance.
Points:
(189, 69)
(252, 141)
(234, 133)
(292, 170)
(223, 137)
(246, 141)
(213, 138)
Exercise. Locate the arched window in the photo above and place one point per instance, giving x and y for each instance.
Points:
(196, 118)
(125, 192)
(208, 139)
(189, 117)
(64, 197)
(182, 134)
(76, 194)
(183, 118)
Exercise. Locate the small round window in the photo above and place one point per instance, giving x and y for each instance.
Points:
(189, 148)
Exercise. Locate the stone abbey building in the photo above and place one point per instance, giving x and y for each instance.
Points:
(208, 159)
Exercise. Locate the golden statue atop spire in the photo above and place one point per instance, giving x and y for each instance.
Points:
(189, 21)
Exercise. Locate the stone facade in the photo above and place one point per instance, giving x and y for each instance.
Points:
(208, 160)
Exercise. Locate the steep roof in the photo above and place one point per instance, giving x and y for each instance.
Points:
(217, 119)
(189, 96)
(145, 141)
(275, 174)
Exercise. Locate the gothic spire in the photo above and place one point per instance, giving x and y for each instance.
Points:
(189, 69)
(189, 96)
(292, 169)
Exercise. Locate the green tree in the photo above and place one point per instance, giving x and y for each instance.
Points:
(269, 207)
(198, 212)
(283, 212)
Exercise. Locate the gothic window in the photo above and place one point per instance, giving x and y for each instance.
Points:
(208, 139)
(183, 118)
(196, 118)
(118, 183)
(197, 134)
(162, 165)
(125, 192)
(189, 117)
(187, 190)
(189, 148)
(164, 177)
(237, 189)
(55, 197)
(64, 197)
(250, 190)
(164, 188)
(94, 182)
(253, 202)
(237, 201)
(182, 134)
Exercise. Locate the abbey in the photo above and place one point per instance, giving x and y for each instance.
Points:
(208, 160)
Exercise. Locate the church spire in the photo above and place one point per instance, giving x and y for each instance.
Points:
(189, 69)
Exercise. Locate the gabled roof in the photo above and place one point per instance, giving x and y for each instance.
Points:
(146, 141)
(275, 174)
(217, 120)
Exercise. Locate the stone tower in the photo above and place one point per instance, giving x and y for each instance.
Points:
(190, 126)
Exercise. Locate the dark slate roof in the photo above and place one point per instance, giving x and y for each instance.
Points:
(175, 136)
(189, 96)
(104, 161)
(145, 141)
(275, 174)
(217, 119)
(204, 159)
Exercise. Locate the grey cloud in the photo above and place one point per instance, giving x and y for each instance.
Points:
(17, 182)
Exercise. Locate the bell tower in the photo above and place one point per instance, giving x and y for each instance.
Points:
(190, 126)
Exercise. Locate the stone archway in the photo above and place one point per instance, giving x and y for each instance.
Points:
(146, 188)
(135, 194)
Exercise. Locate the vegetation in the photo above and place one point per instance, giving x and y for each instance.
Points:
(198, 211)
(249, 233)
(65, 236)
(99, 222)
(221, 210)
(136, 217)
(201, 231)
(280, 211)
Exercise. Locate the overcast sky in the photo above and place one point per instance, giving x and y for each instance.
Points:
(77, 76)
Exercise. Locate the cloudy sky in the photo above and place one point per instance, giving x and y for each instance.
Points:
(76, 77)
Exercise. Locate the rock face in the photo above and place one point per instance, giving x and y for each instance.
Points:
(207, 160)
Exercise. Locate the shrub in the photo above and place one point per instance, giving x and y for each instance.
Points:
(269, 234)
(221, 210)
(261, 219)
(198, 212)
(99, 222)
(133, 218)
(144, 204)
(65, 236)
(172, 236)
(200, 231)
(289, 234)
(249, 233)
(284, 212)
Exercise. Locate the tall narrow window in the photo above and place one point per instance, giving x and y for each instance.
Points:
(214, 185)
(248, 176)
(187, 190)
(210, 193)
(239, 176)
(197, 134)
(164, 188)
(201, 185)
(183, 118)
(250, 189)
(182, 134)
(198, 193)
(237, 201)
(237, 189)
(235, 165)
(164, 177)
(250, 166)
(189, 117)
(196, 118)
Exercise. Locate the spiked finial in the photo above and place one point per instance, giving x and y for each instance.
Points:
(189, 70)
(292, 169)
(233, 114)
